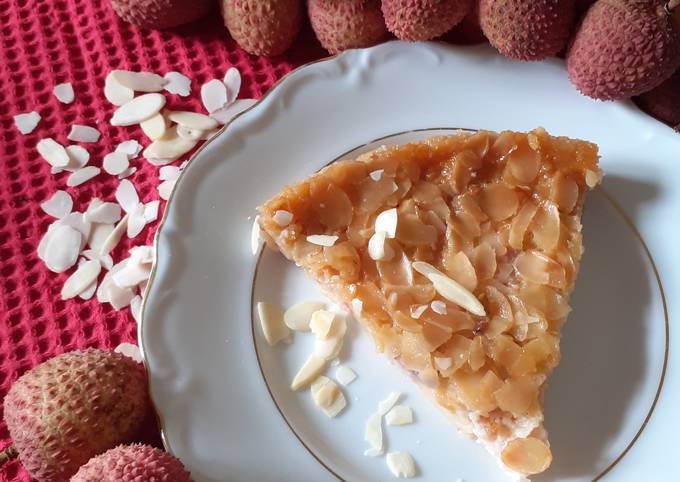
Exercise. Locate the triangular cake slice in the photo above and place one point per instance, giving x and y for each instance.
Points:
(457, 254)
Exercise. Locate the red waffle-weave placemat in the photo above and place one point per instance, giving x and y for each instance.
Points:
(46, 42)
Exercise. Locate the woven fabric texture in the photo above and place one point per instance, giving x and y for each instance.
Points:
(47, 42)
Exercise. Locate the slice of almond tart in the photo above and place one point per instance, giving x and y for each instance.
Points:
(457, 254)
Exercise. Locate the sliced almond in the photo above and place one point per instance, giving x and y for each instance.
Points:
(271, 320)
(64, 93)
(131, 275)
(151, 211)
(450, 289)
(309, 371)
(165, 189)
(115, 163)
(190, 134)
(399, 415)
(213, 95)
(376, 175)
(98, 235)
(438, 307)
(401, 464)
(140, 81)
(27, 122)
(177, 83)
(155, 126)
(107, 213)
(226, 114)
(387, 404)
(417, 311)
(282, 218)
(81, 133)
(115, 92)
(136, 308)
(62, 248)
(386, 222)
(378, 250)
(114, 237)
(77, 222)
(193, 120)
(169, 173)
(328, 348)
(298, 316)
(53, 152)
(322, 239)
(345, 375)
(129, 350)
(78, 157)
(88, 292)
(232, 81)
(136, 221)
(170, 147)
(321, 323)
(130, 148)
(527, 455)
(58, 205)
(374, 436)
(327, 396)
(127, 196)
(127, 173)
(138, 110)
(83, 277)
(82, 175)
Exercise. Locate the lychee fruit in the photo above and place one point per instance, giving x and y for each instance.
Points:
(160, 14)
(70, 408)
(133, 463)
(527, 29)
(624, 48)
(423, 19)
(346, 24)
(262, 27)
(663, 102)
(468, 31)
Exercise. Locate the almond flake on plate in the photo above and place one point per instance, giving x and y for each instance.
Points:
(401, 465)
(140, 81)
(83, 277)
(417, 311)
(131, 148)
(327, 396)
(193, 120)
(298, 316)
(165, 189)
(374, 436)
(115, 92)
(53, 152)
(81, 133)
(177, 84)
(27, 122)
(438, 307)
(114, 237)
(84, 174)
(126, 195)
(226, 114)
(309, 371)
(102, 212)
(345, 375)
(62, 248)
(255, 240)
(232, 81)
(214, 95)
(78, 157)
(155, 126)
(169, 148)
(138, 110)
(399, 415)
(387, 404)
(282, 218)
(115, 162)
(129, 350)
(271, 320)
(64, 93)
(329, 348)
(58, 205)
(322, 239)
(386, 222)
(377, 174)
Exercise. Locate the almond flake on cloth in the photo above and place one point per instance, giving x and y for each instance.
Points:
(127, 172)
(154, 127)
(214, 95)
(78, 157)
(168, 173)
(77, 221)
(81, 133)
(177, 84)
(109, 292)
(81, 279)
(168, 149)
(140, 81)
(115, 92)
(26, 123)
(62, 248)
(232, 81)
(102, 212)
(98, 235)
(106, 261)
(193, 120)
(64, 93)
(53, 152)
(115, 162)
(114, 237)
(88, 292)
(58, 205)
(131, 148)
(126, 195)
(136, 308)
(165, 189)
(138, 110)
(84, 174)
(226, 114)
(130, 350)
(136, 221)
(151, 211)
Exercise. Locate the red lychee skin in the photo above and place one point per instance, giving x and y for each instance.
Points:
(346, 24)
(663, 102)
(468, 31)
(415, 20)
(73, 407)
(527, 29)
(133, 463)
(623, 48)
(161, 14)
(262, 27)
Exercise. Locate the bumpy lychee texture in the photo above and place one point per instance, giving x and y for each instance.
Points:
(133, 463)
(663, 102)
(160, 14)
(423, 19)
(527, 29)
(73, 407)
(262, 27)
(346, 24)
(624, 48)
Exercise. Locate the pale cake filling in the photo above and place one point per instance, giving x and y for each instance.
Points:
(458, 255)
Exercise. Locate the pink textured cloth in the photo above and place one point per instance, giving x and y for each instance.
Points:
(47, 42)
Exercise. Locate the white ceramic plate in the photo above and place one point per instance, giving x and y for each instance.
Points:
(222, 394)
